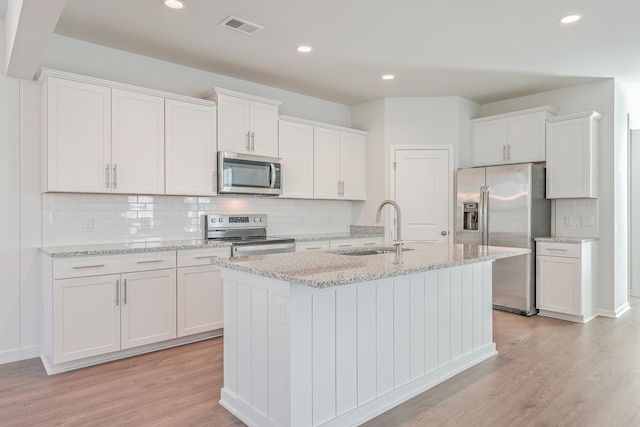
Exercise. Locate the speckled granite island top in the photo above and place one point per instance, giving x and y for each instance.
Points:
(324, 269)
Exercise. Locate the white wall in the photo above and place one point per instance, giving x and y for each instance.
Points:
(612, 216)
(75, 56)
(409, 121)
(635, 213)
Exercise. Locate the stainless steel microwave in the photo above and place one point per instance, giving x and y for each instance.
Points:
(249, 174)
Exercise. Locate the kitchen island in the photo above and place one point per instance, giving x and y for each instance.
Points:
(335, 338)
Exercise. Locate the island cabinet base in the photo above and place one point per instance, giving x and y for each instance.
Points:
(296, 355)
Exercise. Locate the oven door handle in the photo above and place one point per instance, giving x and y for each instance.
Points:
(273, 175)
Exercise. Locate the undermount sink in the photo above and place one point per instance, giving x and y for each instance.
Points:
(369, 251)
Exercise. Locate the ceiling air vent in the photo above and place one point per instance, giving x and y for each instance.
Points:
(241, 25)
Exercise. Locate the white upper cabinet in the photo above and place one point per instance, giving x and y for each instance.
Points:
(517, 137)
(572, 147)
(78, 136)
(190, 147)
(107, 137)
(353, 165)
(137, 143)
(296, 151)
(246, 123)
(339, 164)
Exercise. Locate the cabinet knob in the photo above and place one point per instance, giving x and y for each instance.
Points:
(444, 233)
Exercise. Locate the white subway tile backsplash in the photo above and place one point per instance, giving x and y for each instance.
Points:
(143, 219)
(576, 217)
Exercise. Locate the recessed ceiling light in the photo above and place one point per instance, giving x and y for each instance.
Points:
(305, 49)
(174, 4)
(569, 19)
(388, 77)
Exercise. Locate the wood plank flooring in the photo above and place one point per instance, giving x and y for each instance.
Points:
(548, 373)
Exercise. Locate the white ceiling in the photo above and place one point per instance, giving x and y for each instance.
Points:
(482, 50)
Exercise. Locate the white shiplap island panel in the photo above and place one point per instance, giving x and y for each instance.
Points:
(297, 355)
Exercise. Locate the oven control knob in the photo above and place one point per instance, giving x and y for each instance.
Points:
(255, 219)
(219, 219)
(261, 219)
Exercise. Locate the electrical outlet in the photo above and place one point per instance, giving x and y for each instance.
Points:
(281, 313)
(568, 221)
(586, 221)
(87, 225)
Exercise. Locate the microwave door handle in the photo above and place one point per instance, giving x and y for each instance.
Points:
(273, 175)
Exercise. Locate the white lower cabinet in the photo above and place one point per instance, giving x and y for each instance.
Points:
(100, 314)
(312, 245)
(564, 280)
(86, 317)
(148, 307)
(199, 291)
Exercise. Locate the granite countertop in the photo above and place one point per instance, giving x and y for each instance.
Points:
(324, 269)
(130, 248)
(172, 245)
(565, 239)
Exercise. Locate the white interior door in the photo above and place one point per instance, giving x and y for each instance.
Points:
(422, 189)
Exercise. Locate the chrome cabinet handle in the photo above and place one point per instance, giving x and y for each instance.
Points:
(504, 152)
(314, 248)
(106, 176)
(344, 246)
(369, 244)
(253, 141)
(215, 183)
(150, 261)
(115, 176)
(248, 143)
(117, 293)
(508, 151)
(125, 291)
(557, 250)
(444, 233)
(88, 266)
(342, 188)
(207, 257)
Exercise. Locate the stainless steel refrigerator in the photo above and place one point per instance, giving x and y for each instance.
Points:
(505, 206)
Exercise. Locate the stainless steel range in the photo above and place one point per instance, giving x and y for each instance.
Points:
(247, 234)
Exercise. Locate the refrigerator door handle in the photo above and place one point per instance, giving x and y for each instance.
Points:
(484, 211)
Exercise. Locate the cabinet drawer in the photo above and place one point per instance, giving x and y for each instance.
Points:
(194, 257)
(313, 245)
(351, 243)
(568, 250)
(111, 264)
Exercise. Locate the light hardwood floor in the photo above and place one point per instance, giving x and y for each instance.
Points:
(548, 373)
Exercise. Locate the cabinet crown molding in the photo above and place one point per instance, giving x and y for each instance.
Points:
(46, 72)
(322, 125)
(586, 114)
(548, 108)
(212, 94)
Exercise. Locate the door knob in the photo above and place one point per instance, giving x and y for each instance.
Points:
(444, 233)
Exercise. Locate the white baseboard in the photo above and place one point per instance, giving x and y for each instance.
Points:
(19, 354)
(617, 313)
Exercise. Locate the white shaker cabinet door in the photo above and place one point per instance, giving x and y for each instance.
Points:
(199, 299)
(526, 137)
(353, 166)
(233, 124)
(86, 317)
(78, 131)
(148, 301)
(190, 146)
(489, 142)
(296, 151)
(137, 144)
(560, 284)
(264, 129)
(326, 163)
